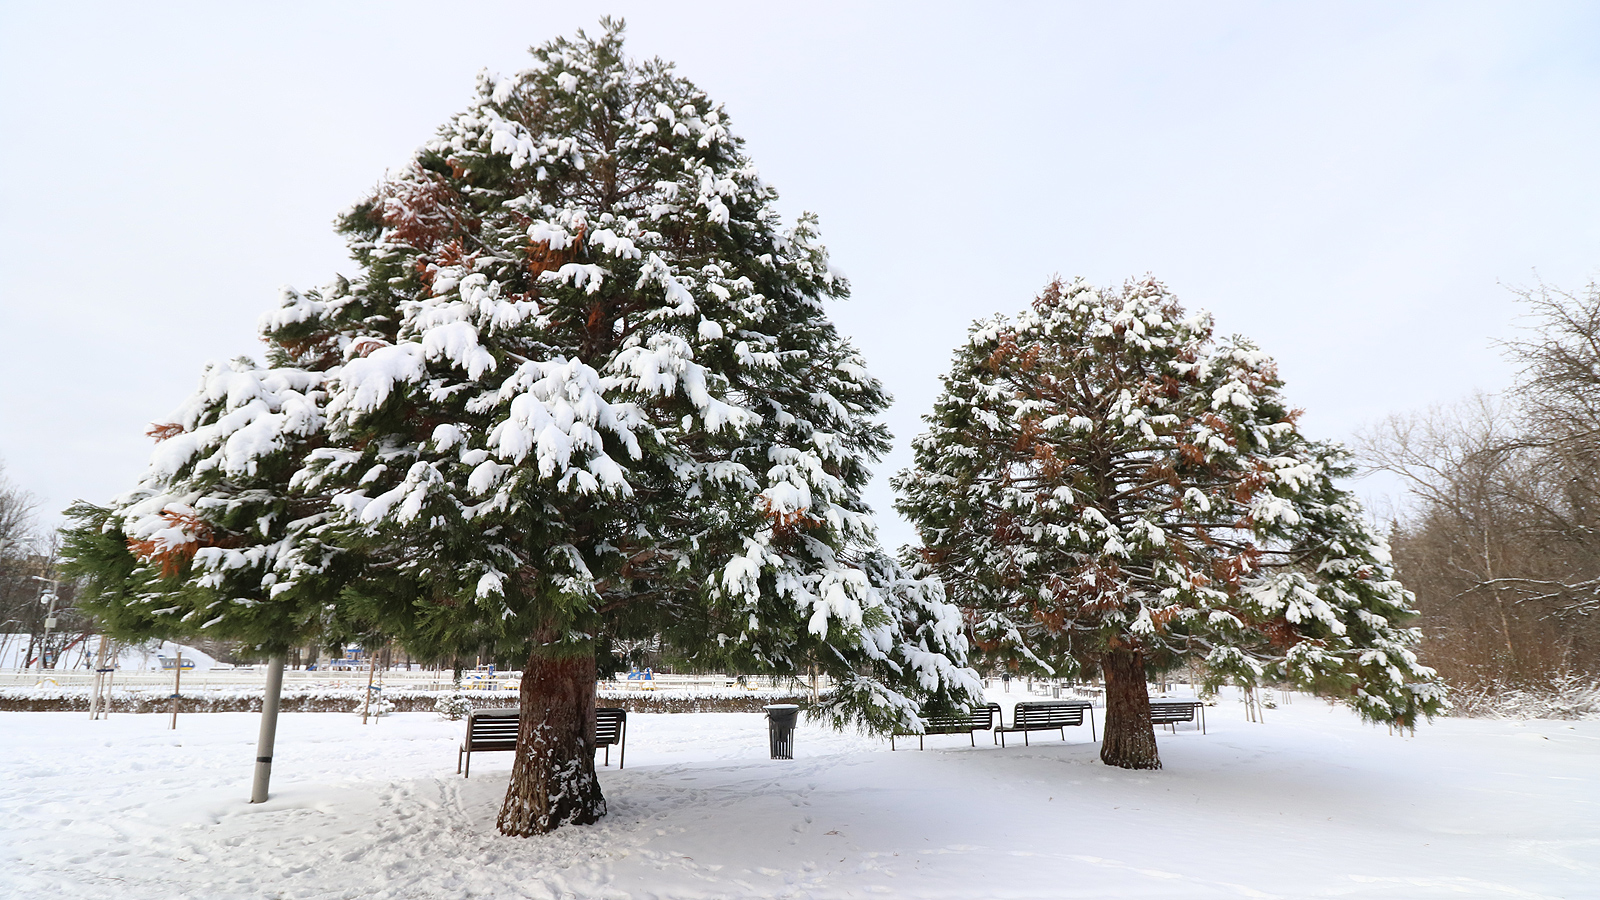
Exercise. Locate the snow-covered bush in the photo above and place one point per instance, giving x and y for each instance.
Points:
(453, 707)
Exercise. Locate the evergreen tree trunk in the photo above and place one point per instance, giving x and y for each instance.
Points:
(1130, 739)
(553, 781)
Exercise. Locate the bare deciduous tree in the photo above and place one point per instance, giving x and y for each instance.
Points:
(1501, 542)
(19, 540)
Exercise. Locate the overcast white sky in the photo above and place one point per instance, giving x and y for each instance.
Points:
(1348, 184)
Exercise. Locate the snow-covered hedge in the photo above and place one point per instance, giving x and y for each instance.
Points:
(692, 701)
(42, 699)
(1568, 697)
(39, 699)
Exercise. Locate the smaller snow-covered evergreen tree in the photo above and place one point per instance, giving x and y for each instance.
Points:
(1102, 483)
(454, 706)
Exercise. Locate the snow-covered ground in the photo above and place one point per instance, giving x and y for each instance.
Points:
(1310, 804)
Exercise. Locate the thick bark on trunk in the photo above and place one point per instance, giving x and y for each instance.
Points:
(1130, 739)
(553, 781)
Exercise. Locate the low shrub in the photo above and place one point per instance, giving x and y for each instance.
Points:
(1565, 697)
(453, 707)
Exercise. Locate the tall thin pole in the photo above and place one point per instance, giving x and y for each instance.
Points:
(49, 621)
(99, 681)
(269, 728)
(111, 681)
(371, 671)
(177, 679)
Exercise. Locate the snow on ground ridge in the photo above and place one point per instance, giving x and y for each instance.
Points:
(1310, 804)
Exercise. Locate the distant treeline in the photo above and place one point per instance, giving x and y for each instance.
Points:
(1500, 537)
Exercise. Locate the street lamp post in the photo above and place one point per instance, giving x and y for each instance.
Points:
(49, 620)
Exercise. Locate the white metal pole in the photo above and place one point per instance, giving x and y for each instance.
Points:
(177, 681)
(111, 680)
(99, 680)
(367, 703)
(269, 728)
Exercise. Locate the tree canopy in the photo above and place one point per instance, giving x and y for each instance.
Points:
(1103, 483)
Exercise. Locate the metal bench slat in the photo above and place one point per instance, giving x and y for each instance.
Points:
(1171, 712)
(499, 729)
(1046, 715)
(977, 718)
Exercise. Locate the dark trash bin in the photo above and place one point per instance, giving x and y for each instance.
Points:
(780, 728)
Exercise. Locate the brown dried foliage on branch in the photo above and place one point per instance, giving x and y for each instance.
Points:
(787, 523)
(423, 210)
(171, 555)
(451, 254)
(541, 258)
(364, 347)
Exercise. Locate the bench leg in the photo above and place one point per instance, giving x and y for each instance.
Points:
(1025, 739)
(608, 755)
(469, 763)
(459, 751)
(972, 737)
(891, 743)
(919, 743)
(1092, 737)
(622, 746)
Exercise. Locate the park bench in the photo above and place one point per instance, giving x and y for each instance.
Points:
(1047, 715)
(496, 729)
(1171, 712)
(978, 718)
(610, 727)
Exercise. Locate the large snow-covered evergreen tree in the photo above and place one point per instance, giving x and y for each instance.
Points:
(583, 389)
(1102, 483)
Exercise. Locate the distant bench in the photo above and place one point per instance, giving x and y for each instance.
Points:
(1171, 712)
(496, 729)
(1047, 715)
(978, 718)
